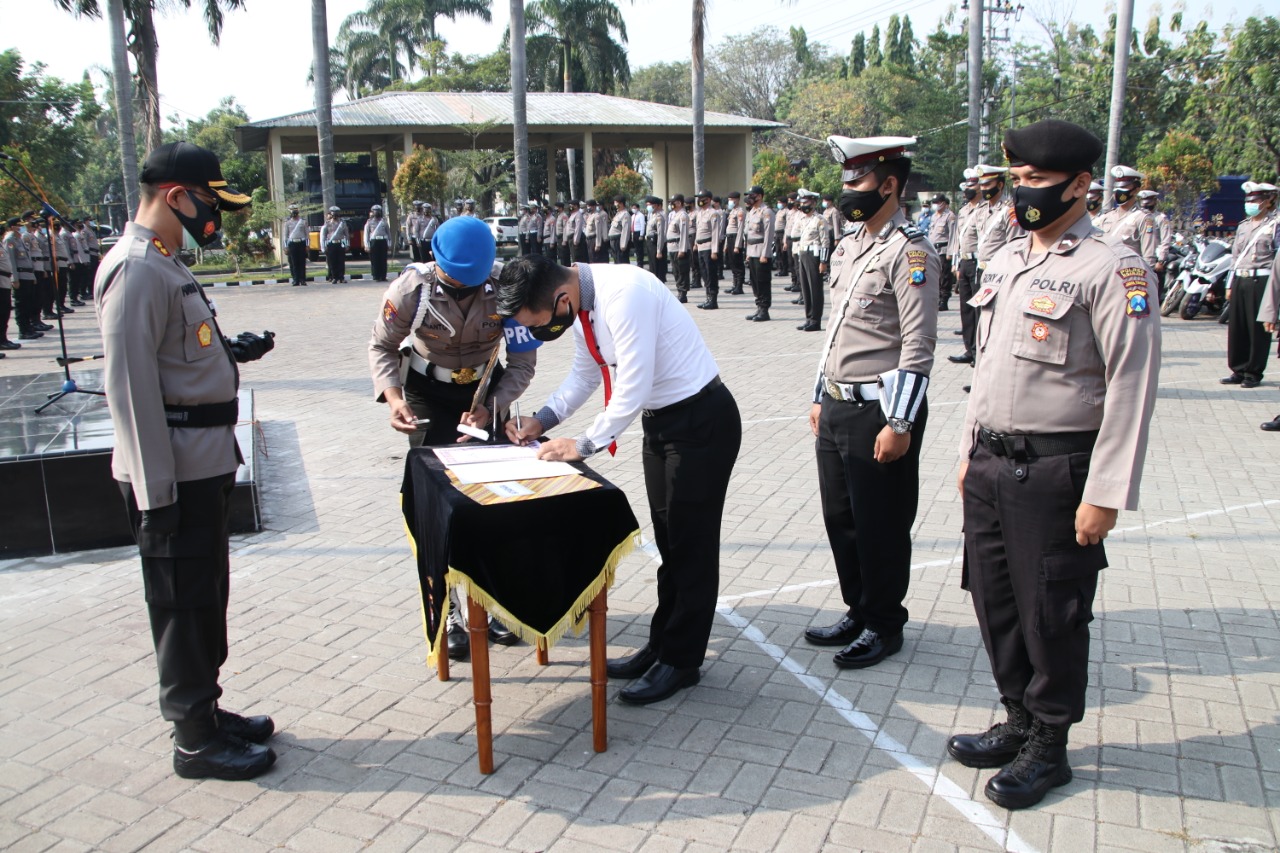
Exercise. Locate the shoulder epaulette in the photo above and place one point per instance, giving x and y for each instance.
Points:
(911, 232)
(138, 247)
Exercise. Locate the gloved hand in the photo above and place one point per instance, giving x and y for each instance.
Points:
(162, 520)
(247, 346)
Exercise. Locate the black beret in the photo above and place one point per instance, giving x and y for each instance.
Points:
(652, 199)
(1058, 146)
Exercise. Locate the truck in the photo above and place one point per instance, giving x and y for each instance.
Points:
(1222, 211)
(357, 189)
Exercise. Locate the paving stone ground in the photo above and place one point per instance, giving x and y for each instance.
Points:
(775, 750)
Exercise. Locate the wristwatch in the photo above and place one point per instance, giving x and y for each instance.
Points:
(899, 426)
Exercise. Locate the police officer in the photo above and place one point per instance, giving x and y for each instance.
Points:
(638, 222)
(377, 234)
(295, 242)
(594, 234)
(731, 253)
(36, 238)
(6, 301)
(706, 242)
(1269, 316)
(620, 231)
(427, 225)
(655, 235)
(411, 225)
(1093, 200)
(522, 230)
(448, 309)
(989, 229)
(469, 208)
(549, 234)
(810, 251)
(562, 234)
(793, 234)
(1128, 222)
(84, 281)
(61, 270)
(335, 237)
(95, 253)
(25, 288)
(577, 235)
(534, 226)
(1149, 200)
(1252, 251)
(757, 243)
(869, 410)
(1052, 449)
(171, 382)
(942, 233)
(783, 265)
(679, 242)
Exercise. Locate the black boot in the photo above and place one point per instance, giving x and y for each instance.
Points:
(998, 745)
(1041, 764)
(710, 304)
(761, 315)
(458, 641)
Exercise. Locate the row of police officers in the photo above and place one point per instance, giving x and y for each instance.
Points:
(46, 271)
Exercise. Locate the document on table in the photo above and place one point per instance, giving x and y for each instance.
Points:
(466, 454)
(516, 469)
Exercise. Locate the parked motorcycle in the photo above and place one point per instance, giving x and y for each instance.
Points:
(1201, 286)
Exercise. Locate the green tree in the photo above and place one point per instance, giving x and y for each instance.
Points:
(858, 55)
(1180, 169)
(661, 83)
(1249, 107)
(890, 49)
(419, 178)
(773, 173)
(216, 131)
(875, 57)
(749, 74)
(624, 181)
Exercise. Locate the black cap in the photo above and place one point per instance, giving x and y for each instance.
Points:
(678, 197)
(735, 194)
(1054, 145)
(185, 163)
(828, 197)
(756, 190)
(13, 220)
(940, 198)
(620, 197)
(652, 199)
(704, 194)
(560, 205)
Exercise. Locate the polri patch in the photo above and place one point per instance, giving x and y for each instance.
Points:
(160, 247)
(916, 263)
(204, 334)
(389, 312)
(1043, 305)
(1136, 304)
(1039, 332)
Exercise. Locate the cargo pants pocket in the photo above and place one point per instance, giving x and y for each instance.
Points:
(1064, 594)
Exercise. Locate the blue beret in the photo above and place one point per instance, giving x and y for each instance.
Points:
(465, 250)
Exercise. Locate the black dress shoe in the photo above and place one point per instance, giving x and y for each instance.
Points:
(1233, 379)
(226, 756)
(737, 291)
(963, 358)
(1041, 765)
(797, 301)
(42, 327)
(499, 634)
(30, 336)
(1272, 425)
(458, 641)
(998, 745)
(633, 666)
(709, 305)
(62, 309)
(967, 388)
(1250, 383)
(958, 332)
(842, 633)
(10, 345)
(77, 303)
(752, 317)
(255, 729)
(868, 650)
(660, 682)
(761, 317)
(810, 327)
(682, 298)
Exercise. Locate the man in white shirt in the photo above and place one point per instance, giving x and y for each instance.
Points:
(624, 317)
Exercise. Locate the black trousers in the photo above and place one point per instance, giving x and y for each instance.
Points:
(335, 256)
(689, 453)
(1032, 584)
(297, 261)
(657, 265)
(638, 242)
(581, 253)
(868, 508)
(444, 403)
(761, 282)
(707, 269)
(58, 291)
(621, 254)
(524, 245)
(84, 287)
(1248, 341)
(186, 578)
(6, 311)
(415, 251)
(810, 286)
(947, 285)
(378, 259)
(597, 254)
(549, 251)
(681, 261)
(966, 286)
(566, 254)
(26, 305)
(737, 266)
(695, 269)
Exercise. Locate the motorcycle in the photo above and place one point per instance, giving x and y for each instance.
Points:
(1201, 287)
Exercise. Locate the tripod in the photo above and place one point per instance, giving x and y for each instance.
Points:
(68, 384)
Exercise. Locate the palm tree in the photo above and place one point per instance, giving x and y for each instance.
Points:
(699, 93)
(124, 105)
(406, 26)
(324, 99)
(358, 63)
(582, 34)
(145, 46)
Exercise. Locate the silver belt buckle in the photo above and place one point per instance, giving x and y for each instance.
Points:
(833, 390)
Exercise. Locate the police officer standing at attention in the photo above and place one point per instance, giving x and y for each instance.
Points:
(756, 242)
(986, 231)
(377, 235)
(811, 250)
(549, 233)
(448, 309)
(942, 233)
(731, 252)
(1149, 200)
(706, 242)
(26, 293)
(295, 242)
(1052, 449)
(592, 235)
(335, 237)
(1252, 251)
(655, 235)
(522, 230)
(869, 410)
(679, 241)
(411, 231)
(620, 231)
(793, 234)
(562, 233)
(171, 383)
(427, 226)
(1128, 222)
(1093, 200)
(783, 266)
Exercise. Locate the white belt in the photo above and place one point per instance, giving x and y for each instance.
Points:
(1258, 273)
(967, 256)
(460, 376)
(867, 391)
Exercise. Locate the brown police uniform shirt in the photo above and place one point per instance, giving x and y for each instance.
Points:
(967, 222)
(891, 321)
(620, 227)
(477, 331)
(678, 239)
(20, 258)
(733, 225)
(706, 230)
(1135, 228)
(656, 230)
(162, 346)
(756, 239)
(942, 232)
(996, 229)
(814, 236)
(1269, 308)
(1069, 341)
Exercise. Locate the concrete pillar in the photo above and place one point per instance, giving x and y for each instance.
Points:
(275, 184)
(748, 155)
(393, 214)
(588, 166)
(661, 186)
(551, 174)
(408, 144)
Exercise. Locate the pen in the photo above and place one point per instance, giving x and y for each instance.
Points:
(518, 425)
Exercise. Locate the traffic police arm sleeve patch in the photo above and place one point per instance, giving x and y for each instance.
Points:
(1136, 292)
(518, 337)
(916, 266)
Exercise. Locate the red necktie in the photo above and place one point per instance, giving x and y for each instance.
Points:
(590, 337)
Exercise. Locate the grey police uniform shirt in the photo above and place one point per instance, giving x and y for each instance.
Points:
(706, 230)
(427, 225)
(656, 230)
(942, 232)
(814, 236)
(478, 329)
(891, 321)
(376, 229)
(37, 243)
(1269, 308)
(295, 230)
(1068, 341)
(997, 229)
(678, 239)
(335, 232)
(1135, 228)
(19, 257)
(1255, 244)
(756, 239)
(6, 273)
(162, 346)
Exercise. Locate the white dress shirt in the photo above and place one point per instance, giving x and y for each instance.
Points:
(656, 351)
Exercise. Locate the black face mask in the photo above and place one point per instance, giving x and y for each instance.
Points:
(806, 208)
(861, 205)
(993, 192)
(555, 327)
(1039, 206)
(204, 226)
(1093, 204)
(1122, 196)
(1148, 205)
(970, 195)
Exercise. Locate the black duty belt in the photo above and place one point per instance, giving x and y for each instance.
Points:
(751, 241)
(702, 242)
(697, 395)
(1054, 444)
(203, 415)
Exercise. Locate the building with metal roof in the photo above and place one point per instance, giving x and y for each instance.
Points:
(392, 123)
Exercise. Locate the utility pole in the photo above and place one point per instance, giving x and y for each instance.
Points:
(1119, 82)
(975, 80)
(519, 111)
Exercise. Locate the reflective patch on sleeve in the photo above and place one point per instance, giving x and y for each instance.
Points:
(518, 337)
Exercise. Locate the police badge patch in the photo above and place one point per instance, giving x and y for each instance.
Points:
(1039, 332)
(916, 265)
(1137, 305)
(389, 313)
(160, 247)
(204, 334)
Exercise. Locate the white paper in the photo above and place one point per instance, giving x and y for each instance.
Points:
(508, 490)
(525, 469)
(464, 454)
(474, 432)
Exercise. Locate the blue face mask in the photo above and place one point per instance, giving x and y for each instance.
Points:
(1252, 209)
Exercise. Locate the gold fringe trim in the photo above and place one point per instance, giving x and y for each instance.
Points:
(576, 617)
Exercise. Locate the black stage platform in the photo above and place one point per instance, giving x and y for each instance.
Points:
(55, 468)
